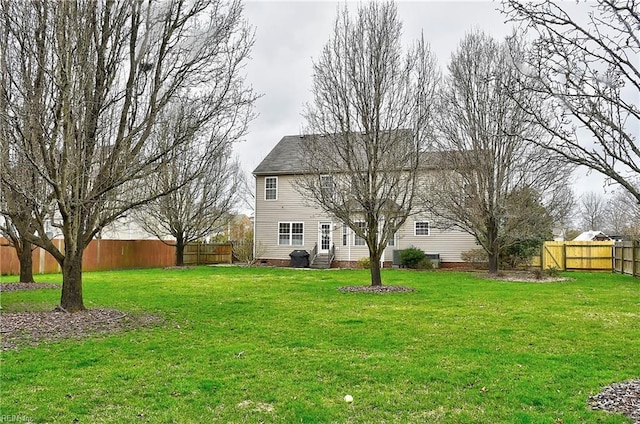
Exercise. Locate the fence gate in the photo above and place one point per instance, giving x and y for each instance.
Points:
(554, 255)
(577, 255)
(208, 253)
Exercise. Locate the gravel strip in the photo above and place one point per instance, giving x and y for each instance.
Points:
(621, 398)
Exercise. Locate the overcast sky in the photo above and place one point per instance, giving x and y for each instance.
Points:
(291, 34)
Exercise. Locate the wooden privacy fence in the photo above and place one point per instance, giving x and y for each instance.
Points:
(208, 253)
(626, 257)
(577, 255)
(100, 255)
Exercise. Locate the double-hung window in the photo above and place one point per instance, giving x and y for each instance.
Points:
(421, 228)
(357, 240)
(345, 235)
(291, 233)
(270, 188)
(326, 185)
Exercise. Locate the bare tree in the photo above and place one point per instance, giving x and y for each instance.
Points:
(22, 206)
(207, 178)
(369, 117)
(623, 215)
(586, 69)
(22, 246)
(592, 211)
(488, 171)
(241, 236)
(248, 193)
(20, 216)
(84, 84)
(564, 209)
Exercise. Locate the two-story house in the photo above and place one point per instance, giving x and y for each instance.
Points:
(285, 221)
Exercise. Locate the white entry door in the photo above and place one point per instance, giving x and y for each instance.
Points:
(324, 237)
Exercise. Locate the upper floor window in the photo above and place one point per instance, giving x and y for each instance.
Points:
(421, 228)
(270, 188)
(326, 185)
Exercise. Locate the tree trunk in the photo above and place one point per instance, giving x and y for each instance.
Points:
(376, 278)
(179, 251)
(26, 262)
(492, 242)
(71, 300)
(493, 263)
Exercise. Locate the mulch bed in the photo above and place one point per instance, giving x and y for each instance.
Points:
(525, 277)
(32, 328)
(376, 289)
(8, 287)
(20, 329)
(621, 398)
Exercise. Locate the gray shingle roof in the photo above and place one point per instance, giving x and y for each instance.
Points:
(285, 158)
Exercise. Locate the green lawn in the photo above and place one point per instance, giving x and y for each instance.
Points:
(281, 345)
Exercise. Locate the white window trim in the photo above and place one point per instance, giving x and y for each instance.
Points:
(355, 237)
(394, 240)
(415, 228)
(327, 189)
(344, 237)
(290, 233)
(276, 189)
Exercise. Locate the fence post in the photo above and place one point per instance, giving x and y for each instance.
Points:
(622, 258)
(634, 245)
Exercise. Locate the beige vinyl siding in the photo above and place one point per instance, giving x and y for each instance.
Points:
(448, 243)
(290, 207)
(350, 252)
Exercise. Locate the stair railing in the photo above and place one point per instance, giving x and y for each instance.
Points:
(313, 254)
(332, 253)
